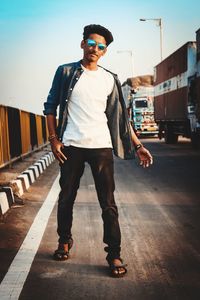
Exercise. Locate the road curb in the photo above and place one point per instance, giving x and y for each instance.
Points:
(22, 182)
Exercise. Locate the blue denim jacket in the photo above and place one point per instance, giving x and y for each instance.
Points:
(64, 81)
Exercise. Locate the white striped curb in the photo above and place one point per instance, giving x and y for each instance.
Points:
(49, 158)
(39, 166)
(9, 194)
(43, 163)
(35, 170)
(23, 182)
(17, 187)
(30, 175)
(47, 161)
(3, 203)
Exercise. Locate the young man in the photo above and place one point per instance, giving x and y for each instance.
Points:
(92, 123)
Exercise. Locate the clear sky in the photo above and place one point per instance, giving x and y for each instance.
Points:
(38, 35)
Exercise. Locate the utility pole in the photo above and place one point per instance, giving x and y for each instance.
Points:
(159, 23)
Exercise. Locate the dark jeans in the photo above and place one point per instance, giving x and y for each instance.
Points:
(101, 163)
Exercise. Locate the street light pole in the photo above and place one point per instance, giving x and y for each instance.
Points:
(159, 22)
(131, 55)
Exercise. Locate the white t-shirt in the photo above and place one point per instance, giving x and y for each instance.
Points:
(87, 122)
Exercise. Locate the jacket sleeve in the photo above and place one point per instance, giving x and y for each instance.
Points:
(53, 99)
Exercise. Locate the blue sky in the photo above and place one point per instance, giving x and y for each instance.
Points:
(37, 36)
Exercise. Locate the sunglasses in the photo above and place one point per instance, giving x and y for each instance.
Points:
(92, 43)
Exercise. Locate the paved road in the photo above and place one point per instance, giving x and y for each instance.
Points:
(159, 215)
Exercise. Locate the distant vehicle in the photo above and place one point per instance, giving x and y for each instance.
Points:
(177, 94)
(138, 93)
(142, 115)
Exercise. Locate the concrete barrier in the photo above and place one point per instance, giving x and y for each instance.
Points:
(22, 182)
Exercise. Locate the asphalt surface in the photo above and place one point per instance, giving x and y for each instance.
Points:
(159, 211)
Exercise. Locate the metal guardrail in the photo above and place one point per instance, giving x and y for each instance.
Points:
(21, 133)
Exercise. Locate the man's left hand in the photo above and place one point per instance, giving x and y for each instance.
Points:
(145, 157)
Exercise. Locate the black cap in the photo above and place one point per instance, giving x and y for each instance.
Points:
(98, 29)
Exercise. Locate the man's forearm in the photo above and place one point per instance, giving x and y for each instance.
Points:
(51, 124)
(134, 137)
(56, 144)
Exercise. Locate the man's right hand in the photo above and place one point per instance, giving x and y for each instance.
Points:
(57, 147)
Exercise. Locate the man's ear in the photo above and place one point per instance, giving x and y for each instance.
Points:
(82, 44)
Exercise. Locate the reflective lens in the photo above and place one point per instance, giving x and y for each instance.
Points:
(92, 43)
(101, 46)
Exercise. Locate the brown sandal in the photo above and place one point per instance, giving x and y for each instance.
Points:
(115, 269)
(61, 254)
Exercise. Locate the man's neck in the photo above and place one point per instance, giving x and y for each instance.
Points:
(92, 66)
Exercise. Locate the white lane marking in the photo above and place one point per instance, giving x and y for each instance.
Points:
(13, 282)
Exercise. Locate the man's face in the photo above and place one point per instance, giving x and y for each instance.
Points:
(93, 47)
